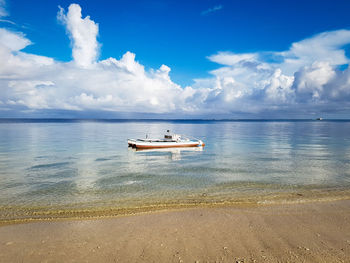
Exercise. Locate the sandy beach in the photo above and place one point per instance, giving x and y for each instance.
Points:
(308, 232)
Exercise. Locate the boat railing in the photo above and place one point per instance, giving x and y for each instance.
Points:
(156, 140)
(172, 139)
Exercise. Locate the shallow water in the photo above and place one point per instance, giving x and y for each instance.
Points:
(52, 167)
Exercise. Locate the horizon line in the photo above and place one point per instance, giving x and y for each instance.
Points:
(167, 119)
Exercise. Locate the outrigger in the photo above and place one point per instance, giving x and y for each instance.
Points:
(169, 141)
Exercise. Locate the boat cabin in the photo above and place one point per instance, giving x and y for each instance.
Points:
(171, 137)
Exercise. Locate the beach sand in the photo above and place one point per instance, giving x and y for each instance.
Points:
(306, 232)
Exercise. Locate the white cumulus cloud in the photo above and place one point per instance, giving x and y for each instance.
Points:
(83, 33)
(28, 81)
(306, 73)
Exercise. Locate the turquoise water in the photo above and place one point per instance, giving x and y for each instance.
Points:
(56, 165)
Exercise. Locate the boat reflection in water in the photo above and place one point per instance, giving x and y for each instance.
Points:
(175, 154)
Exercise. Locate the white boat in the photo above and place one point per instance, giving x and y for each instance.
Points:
(169, 141)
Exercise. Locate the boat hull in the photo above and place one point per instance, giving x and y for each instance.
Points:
(131, 142)
(176, 145)
(157, 145)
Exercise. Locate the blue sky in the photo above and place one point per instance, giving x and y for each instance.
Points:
(198, 41)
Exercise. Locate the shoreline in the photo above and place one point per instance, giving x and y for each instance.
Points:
(298, 232)
(207, 201)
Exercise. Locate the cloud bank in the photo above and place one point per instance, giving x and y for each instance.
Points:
(312, 77)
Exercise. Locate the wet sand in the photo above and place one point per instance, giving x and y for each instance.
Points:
(309, 232)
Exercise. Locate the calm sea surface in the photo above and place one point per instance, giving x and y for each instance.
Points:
(50, 168)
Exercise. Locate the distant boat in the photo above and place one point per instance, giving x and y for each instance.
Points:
(169, 141)
(319, 119)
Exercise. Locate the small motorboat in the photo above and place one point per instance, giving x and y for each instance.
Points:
(169, 141)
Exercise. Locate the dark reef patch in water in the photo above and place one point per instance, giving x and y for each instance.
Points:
(102, 159)
(50, 165)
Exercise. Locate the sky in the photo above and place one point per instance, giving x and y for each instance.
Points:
(174, 59)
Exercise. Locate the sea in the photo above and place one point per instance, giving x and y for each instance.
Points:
(63, 168)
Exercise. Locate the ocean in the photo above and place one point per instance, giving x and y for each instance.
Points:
(53, 168)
